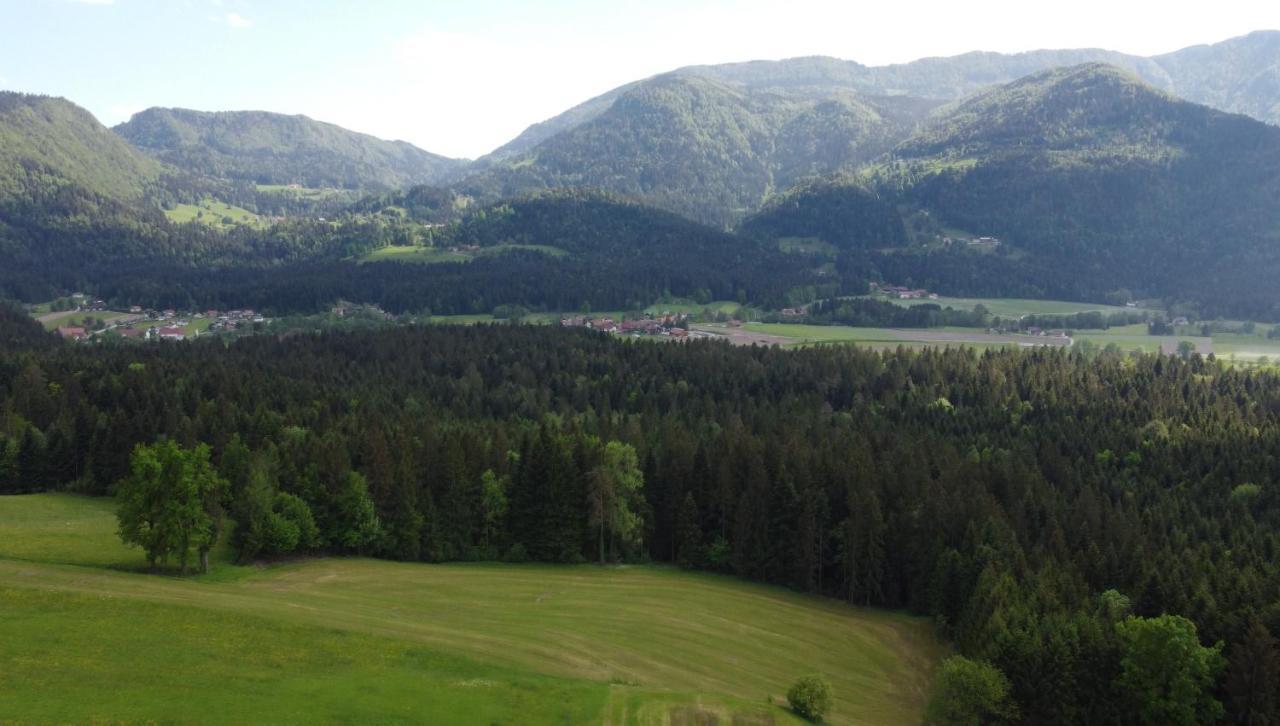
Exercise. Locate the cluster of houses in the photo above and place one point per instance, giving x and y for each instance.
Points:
(345, 309)
(167, 324)
(902, 293)
(673, 325)
(986, 244)
(1042, 333)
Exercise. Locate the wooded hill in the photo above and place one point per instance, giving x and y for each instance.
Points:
(272, 148)
(705, 149)
(1107, 182)
(1237, 75)
(1098, 184)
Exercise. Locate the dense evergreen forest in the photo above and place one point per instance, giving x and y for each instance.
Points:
(1027, 500)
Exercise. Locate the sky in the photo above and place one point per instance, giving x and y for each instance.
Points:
(461, 77)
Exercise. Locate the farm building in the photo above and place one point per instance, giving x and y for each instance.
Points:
(72, 333)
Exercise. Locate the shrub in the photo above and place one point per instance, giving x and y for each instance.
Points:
(810, 697)
(969, 693)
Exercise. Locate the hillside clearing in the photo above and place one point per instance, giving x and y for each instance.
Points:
(663, 638)
(432, 255)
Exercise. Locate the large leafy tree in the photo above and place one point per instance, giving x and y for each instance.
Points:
(1166, 674)
(170, 503)
(613, 492)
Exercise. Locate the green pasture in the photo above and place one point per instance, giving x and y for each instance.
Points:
(430, 255)
(212, 213)
(1016, 308)
(358, 640)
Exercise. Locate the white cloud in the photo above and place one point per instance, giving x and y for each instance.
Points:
(95, 2)
(236, 20)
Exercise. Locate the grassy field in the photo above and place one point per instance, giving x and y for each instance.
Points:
(1015, 308)
(73, 318)
(354, 640)
(799, 334)
(310, 193)
(212, 213)
(431, 255)
(808, 246)
(728, 307)
(412, 253)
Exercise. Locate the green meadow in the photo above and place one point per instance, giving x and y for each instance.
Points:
(75, 318)
(212, 213)
(89, 637)
(1016, 308)
(431, 255)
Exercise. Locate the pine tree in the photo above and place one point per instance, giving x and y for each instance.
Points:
(1253, 677)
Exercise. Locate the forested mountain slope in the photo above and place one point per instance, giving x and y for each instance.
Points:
(271, 148)
(1241, 75)
(1105, 179)
(45, 139)
(75, 197)
(705, 149)
(839, 211)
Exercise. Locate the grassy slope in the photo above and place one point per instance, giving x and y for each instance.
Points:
(352, 639)
(73, 318)
(428, 255)
(214, 212)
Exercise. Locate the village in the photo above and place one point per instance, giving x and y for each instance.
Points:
(674, 326)
(902, 293)
(145, 324)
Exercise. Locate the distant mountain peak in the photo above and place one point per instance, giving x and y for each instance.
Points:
(273, 148)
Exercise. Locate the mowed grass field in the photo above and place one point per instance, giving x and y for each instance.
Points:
(84, 638)
(74, 318)
(1014, 307)
(432, 255)
(799, 334)
(212, 213)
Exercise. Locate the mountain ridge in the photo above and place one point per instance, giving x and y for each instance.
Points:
(262, 147)
(948, 78)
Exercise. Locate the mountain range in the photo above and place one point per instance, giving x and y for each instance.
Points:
(714, 142)
(1099, 176)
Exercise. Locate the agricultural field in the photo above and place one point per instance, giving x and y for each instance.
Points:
(309, 193)
(1016, 308)
(1135, 337)
(193, 327)
(358, 640)
(212, 213)
(51, 321)
(430, 255)
(808, 246)
(728, 307)
(797, 334)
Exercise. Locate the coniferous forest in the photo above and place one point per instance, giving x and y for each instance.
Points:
(715, 492)
(1029, 501)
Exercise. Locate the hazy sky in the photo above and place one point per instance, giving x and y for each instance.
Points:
(460, 77)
